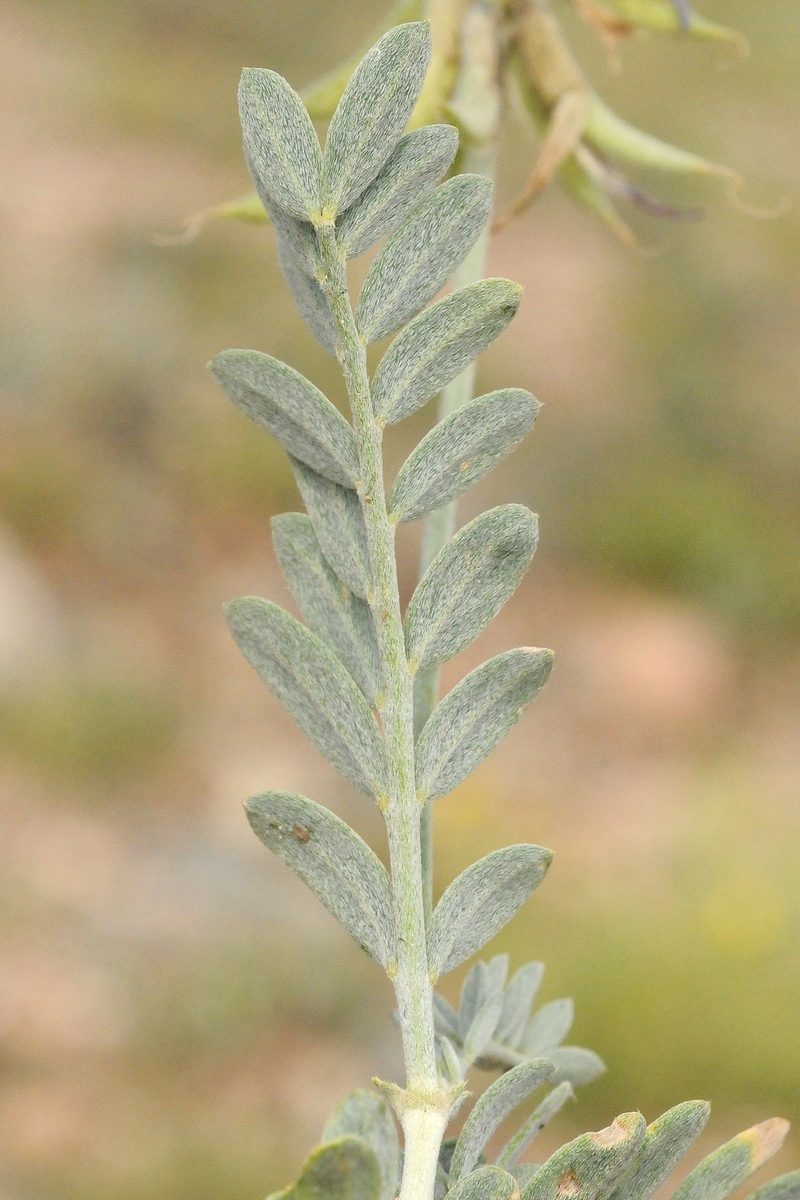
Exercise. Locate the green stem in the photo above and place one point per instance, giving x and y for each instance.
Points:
(424, 1106)
(400, 806)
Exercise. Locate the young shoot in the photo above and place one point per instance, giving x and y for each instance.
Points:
(359, 676)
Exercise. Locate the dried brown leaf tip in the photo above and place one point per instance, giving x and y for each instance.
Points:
(766, 1139)
(613, 1135)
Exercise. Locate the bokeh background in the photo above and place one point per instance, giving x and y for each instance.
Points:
(177, 1015)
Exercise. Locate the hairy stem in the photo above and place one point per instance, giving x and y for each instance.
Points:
(400, 806)
(477, 91)
(424, 1106)
(423, 1129)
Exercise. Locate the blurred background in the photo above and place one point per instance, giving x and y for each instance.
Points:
(177, 1014)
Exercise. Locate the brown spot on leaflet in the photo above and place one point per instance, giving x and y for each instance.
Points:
(568, 1185)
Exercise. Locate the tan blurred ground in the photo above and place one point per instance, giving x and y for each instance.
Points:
(177, 1015)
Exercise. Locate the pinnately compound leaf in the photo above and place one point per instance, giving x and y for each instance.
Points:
(785, 1187)
(487, 1183)
(289, 407)
(480, 902)
(422, 254)
(665, 1144)
(335, 862)
(468, 583)
(314, 687)
(342, 620)
(492, 1109)
(544, 1112)
(342, 1170)
(460, 450)
(439, 343)
(281, 145)
(414, 167)
(518, 1002)
(548, 1028)
(477, 714)
(373, 112)
(364, 1114)
(338, 522)
(723, 1171)
(590, 1164)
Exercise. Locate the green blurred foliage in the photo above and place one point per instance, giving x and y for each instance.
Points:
(78, 726)
(686, 972)
(667, 515)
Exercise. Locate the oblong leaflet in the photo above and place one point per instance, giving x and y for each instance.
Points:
(313, 687)
(480, 902)
(338, 522)
(373, 112)
(665, 1143)
(295, 256)
(342, 1170)
(591, 1163)
(518, 1002)
(500, 1099)
(439, 343)
(281, 145)
(725, 1169)
(342, 620)
(338, 866)
(548, 1027)
(415, 166)
(468, 583)
(292, 409)
(422, 254)
(475, 716)
(460, 450)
